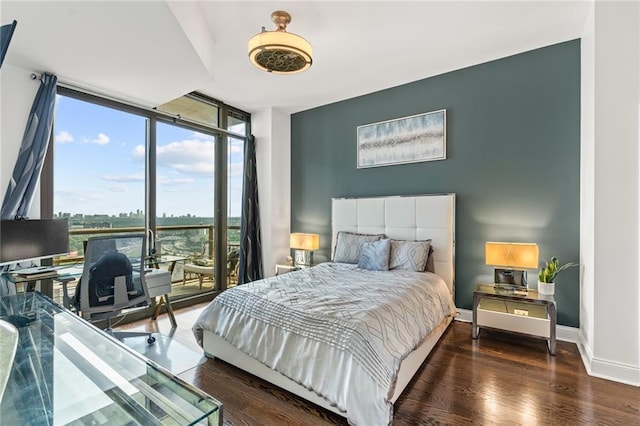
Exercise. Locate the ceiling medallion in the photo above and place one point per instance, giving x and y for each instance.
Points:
(278, 51)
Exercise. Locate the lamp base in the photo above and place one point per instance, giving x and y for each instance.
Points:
(510, 276)
(303, 258)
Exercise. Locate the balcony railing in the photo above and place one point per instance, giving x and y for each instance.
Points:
(195, 243)
(172, 239)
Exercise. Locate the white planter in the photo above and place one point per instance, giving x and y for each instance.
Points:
(546, 288)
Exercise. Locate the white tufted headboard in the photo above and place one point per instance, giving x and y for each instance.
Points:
(403, 218)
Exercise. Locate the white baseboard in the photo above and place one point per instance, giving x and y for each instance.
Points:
(596, 367)
(606, 369)
(563, 332)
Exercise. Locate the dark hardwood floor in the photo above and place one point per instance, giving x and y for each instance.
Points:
(500, 379)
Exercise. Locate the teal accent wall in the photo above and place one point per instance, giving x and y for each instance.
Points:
(513, 160)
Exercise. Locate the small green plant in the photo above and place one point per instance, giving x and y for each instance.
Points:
(551, 269)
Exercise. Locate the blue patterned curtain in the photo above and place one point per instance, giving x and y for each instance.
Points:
(26, 173)
(6, 31)
(250, 267)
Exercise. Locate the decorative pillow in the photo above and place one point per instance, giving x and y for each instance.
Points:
(349, 246)
(430, 266)
(375, 255)
(409, 255)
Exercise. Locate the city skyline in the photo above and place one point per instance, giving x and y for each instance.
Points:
(138, 213)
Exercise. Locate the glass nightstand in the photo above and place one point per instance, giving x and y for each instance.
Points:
(66, 371)
(517, 309)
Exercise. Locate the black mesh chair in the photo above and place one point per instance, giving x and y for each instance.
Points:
(113, 279)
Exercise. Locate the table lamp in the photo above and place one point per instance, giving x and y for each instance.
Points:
(511, 261)
(304, 244)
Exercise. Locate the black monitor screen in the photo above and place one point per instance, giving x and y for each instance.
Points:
(33, 239)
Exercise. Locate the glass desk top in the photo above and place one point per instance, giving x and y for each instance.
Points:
(67, 371)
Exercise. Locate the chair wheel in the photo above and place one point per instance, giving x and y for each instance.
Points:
(151, 340)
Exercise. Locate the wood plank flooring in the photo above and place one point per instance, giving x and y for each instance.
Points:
(499, 379)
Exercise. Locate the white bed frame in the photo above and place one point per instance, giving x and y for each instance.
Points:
(399, 217)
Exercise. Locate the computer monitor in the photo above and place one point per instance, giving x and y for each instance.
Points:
(32, 239)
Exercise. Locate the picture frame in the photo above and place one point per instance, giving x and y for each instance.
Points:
(412, 139)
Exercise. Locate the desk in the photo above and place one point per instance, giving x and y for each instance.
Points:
(158, 282)
(68, 371)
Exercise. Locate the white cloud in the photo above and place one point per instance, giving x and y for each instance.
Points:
(101, 139)
(165, 181)
(138, 152)
(236, 169)
(203, 137)
(236, 148)
(78, 196)
(64, 137)
(136, 177)
(190, 157)
(119, 188)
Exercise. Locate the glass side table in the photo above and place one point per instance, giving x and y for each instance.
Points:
(66, 371)
(517, 309)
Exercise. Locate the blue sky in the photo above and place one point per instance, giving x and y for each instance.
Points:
(99, 164)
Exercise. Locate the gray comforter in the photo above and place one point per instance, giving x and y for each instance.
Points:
(336, 329)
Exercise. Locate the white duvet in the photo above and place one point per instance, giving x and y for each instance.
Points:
(336, 329)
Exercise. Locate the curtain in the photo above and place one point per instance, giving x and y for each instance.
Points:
(250, 268)
(6, 31)
(26, 173)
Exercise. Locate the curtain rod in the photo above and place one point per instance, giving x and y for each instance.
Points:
(174, 117)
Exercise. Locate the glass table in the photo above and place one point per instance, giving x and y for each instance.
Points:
(66, 371)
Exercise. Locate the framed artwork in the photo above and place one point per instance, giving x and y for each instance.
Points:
(421, 137)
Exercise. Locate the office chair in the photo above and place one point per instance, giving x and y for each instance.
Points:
(113, 279)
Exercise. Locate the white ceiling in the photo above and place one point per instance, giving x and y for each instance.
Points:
(150, 52)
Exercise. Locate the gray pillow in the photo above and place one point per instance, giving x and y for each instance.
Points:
(409, 255)
(349, 246)
(430, 265)
(375, 255)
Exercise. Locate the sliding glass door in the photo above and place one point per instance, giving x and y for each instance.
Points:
(185, 187)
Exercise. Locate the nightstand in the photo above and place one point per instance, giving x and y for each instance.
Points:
(517, 309)
(284, 268)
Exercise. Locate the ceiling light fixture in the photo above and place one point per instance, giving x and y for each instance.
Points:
(278, 51)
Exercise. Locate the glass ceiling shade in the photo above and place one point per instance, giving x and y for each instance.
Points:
(278, 51)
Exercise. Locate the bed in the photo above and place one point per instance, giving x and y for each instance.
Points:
(330, 333)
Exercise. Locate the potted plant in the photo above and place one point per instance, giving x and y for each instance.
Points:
(548, 274)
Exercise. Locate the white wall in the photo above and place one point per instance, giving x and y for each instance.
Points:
(272, 129)
(587, 183)
(17, 91)
(610, 309)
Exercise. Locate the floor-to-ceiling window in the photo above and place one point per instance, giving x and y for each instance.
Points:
(121, 168)
(99, 168)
